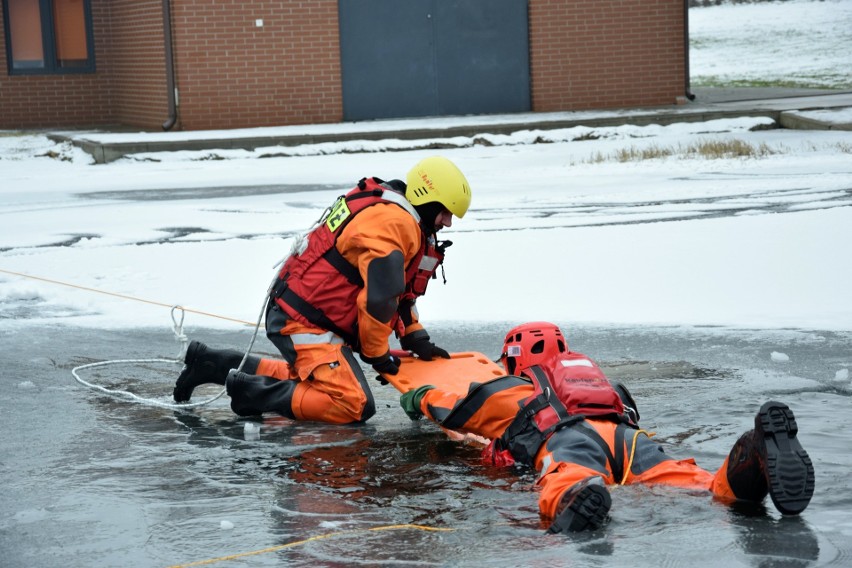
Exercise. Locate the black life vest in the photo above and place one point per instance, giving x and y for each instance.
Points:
(318, 286)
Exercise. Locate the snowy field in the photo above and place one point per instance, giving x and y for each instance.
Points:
(793, 43)
(581, 229)
(561, 231)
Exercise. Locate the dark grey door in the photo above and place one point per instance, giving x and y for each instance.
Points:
(408, 58)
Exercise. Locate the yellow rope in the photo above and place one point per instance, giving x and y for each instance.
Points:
(311, 539)
(633, 453)
(199, 312)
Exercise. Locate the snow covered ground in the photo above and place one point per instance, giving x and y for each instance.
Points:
(579, 229)
(794, 43)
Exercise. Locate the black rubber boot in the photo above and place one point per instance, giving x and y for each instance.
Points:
(770, 460)
(787, 467)
(745, 473)
(252, 395)
(205, 365)
(584, 506)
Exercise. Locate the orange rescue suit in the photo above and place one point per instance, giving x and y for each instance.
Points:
(604, 445)
(331, 285)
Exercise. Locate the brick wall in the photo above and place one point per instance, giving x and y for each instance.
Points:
(606, 53)
(36, 101)
(137, 63)
(232, 73)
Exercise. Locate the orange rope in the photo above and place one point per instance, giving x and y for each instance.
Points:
(124, 296)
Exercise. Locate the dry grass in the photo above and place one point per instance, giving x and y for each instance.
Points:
(707, 149)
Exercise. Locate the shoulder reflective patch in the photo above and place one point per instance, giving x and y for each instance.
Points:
(577, 363)
(339, 213)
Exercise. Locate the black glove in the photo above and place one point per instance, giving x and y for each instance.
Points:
(418, 343)
(385, 364)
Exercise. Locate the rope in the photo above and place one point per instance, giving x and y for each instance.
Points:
(179, 336)
(307, 540)
(633, 453)
(129, 395)
(123, 296)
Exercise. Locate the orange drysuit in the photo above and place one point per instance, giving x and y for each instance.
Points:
(613, 451)
(322, 312)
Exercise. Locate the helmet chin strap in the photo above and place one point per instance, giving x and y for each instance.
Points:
(428, 214)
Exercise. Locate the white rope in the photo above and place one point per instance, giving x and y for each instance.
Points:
(179, 334)
(177, 327)
(129, 395)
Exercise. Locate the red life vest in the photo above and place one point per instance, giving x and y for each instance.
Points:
(568, 388)
(319, 286)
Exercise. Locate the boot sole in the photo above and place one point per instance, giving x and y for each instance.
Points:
(588, 511)
(789, 470)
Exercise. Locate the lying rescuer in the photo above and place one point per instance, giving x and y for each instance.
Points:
(557, 411)
(353, 281)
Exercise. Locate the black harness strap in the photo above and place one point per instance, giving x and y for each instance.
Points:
(314, 315)
(616, 462)
(548, 392)
(478, 394)
(342, 265)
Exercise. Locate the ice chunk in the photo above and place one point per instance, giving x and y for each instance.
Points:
(226, 525)
(780, 357)
(841, 375)
(251, 431)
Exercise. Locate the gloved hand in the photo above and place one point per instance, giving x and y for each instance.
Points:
(410, 401)
(418, 343)
(385, 364)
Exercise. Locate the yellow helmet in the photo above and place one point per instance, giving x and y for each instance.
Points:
(437, 179)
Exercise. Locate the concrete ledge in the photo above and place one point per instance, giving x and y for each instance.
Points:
(795, 121)
(105, 152)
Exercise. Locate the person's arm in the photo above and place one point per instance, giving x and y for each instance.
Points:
(380, 241)
(486, 410)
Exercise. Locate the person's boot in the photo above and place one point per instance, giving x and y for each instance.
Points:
(252, 395)
(584, 506)
(744, 472)
(787, 466)
(206, 365)
(770, 460)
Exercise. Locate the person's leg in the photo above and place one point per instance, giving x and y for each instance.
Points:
(252, 395)
(574, 474)
(573, 498)
(583, 506)
(327, 383)
(204, 365)
(334, 388)
(646, 462)
(334, 392)
(768, 460)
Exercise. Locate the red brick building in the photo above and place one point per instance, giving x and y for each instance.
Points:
(248, 63)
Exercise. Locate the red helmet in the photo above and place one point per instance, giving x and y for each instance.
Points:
(531, 343)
